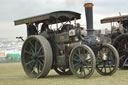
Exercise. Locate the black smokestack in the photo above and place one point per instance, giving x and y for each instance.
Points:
(89, 18)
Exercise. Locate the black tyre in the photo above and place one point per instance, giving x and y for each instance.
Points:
(36, 56)
(82, 61)
(107, 60)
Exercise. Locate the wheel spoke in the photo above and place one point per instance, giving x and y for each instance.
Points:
(28, 52)
(41, 63)
(105, 66)
(76, 66)
(36, 43)
(87, 67)
(33, 65)
(30, 62)
(82, 71)
(31, 44)
(78, 60)
(102, 68)
(76, 55)
(89, 59)
(38, 68)
(41, 56)
(78, 50)
(38, 51)
(109, 66)
(32, 51)
(32, 71)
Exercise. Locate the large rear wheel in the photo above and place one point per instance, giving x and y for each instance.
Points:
(36, 56)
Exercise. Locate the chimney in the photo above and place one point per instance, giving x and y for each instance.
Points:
(89, 17)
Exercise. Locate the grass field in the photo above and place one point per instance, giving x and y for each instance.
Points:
(13, 74)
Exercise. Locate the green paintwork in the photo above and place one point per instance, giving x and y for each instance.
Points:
(61, 60)
(62, 37)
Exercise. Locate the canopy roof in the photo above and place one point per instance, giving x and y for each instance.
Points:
(53, 17)
(114, 19)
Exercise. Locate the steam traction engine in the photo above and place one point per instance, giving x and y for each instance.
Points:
(119, 37)
(65, 49)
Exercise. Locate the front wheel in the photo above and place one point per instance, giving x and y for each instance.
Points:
(82, 61)
(107, 60)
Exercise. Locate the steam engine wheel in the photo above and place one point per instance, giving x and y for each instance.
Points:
(82, 61)
(36, 56)
(121, 44)
(107, 60)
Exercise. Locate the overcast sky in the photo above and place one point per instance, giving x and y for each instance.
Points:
(16, 9)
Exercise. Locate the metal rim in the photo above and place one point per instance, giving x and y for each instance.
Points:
(107, 60)
(36, 56)
(63, 71)
(121, 44)
(82, 61)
